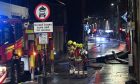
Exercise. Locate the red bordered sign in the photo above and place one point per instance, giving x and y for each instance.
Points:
(42, 12)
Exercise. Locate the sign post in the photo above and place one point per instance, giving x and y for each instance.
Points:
(43, 28)
(43, 39)
(42, 13)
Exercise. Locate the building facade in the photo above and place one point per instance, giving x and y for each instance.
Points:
(11, 10)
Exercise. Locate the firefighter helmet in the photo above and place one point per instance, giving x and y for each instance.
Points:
(70, 42)
(81, 45)
(74, 43)
(77, 45)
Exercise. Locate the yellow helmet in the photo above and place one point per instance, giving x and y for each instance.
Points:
(70, 42)
(74, 43)
(81, 45)
(77, 45)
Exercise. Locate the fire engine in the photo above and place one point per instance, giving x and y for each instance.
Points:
(11, 38)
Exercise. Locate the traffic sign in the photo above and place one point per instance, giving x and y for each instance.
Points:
(43, 27)
(42, 12)
(124, 17)
(43, 38)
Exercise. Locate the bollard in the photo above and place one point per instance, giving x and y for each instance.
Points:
(130, 57)
(42, 80)
(15, 74)
(21, 68)
(52, 69)
(32, 74)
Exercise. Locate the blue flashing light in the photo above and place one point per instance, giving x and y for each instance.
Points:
(3, 17)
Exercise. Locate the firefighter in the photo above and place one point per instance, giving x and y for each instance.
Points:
(69, 44)
(84, 53)
(71, 49)
(77, 53)
(15, 56)
(39, 62)
(15, 72)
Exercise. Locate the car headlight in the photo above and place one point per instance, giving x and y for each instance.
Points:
(2, 68)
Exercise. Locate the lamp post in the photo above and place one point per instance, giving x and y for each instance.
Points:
(118, 16)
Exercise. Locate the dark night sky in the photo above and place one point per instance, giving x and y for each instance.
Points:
(102, 7)
(75, 12)
(96, 7)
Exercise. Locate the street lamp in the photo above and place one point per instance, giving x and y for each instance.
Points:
(112, 4)
(118, 14)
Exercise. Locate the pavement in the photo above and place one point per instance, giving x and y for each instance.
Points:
(110, 72)
(64, 78)
(106, 74)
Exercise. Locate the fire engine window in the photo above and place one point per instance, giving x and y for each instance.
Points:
(10, 33)
(5, 34)
(18, 31)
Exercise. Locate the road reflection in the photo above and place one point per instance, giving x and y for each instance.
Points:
(103, 48)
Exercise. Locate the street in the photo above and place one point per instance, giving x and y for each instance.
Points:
(103, 48)
(98, 73)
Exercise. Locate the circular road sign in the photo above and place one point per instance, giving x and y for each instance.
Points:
(42, 12)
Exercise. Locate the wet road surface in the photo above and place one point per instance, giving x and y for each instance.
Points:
(111, 74)
(101, 49)
(98, 73)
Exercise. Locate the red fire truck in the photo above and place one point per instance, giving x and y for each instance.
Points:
(15, 36)
(11, 38)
